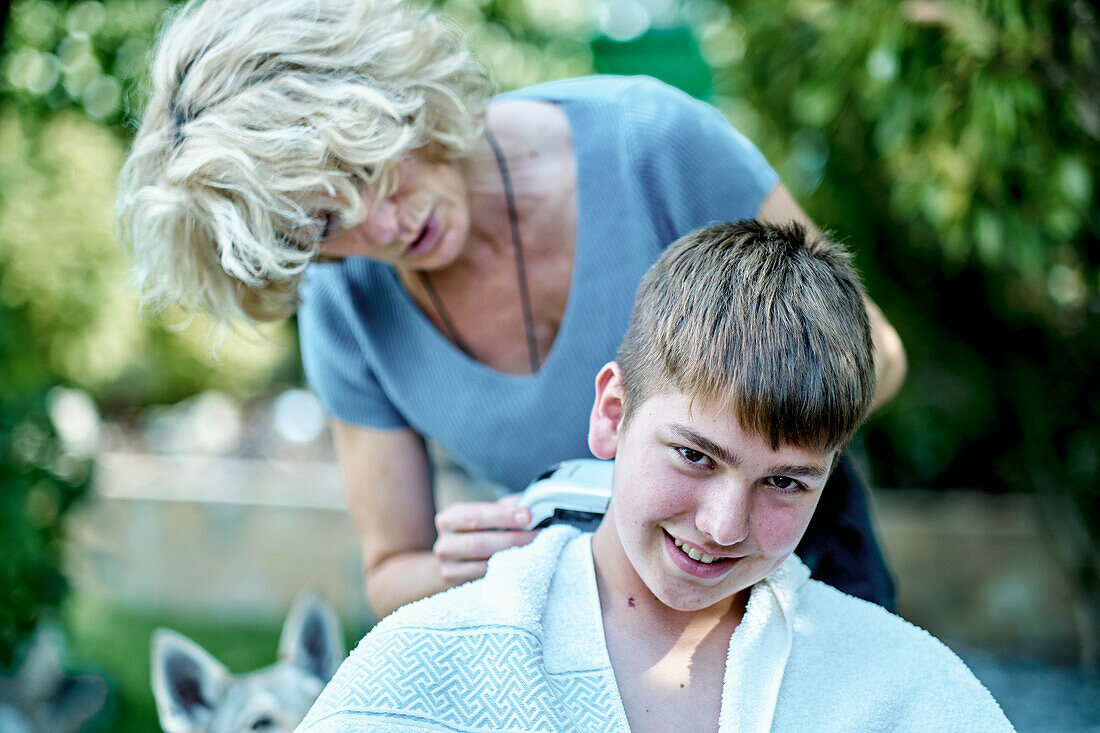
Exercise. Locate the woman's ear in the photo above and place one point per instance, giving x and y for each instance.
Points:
(607, 412)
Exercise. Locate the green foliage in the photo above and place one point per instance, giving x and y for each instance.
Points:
(955, 145)
(65, 313)
(39, 481)
(85, 54)
(63, 267)
(61, 147)
(975, 123)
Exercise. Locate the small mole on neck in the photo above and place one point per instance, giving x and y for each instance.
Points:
(630, 601)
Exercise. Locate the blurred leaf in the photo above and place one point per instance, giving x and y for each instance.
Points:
(960, 167)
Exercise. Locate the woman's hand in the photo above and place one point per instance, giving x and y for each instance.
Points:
(387, 478)
(469, 534)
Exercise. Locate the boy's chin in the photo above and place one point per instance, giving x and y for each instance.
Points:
(694, 605)
(683, 595)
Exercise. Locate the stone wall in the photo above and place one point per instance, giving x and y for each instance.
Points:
(241, 536)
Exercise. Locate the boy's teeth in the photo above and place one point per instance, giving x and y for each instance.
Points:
(694, 554)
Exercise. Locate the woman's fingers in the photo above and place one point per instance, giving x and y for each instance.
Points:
(474, 517)
(463, 556)
(464, 546)
(469, 534)
(457, 573)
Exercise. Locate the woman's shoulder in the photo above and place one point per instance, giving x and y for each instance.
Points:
(639, 116)
(338, 303)
(601, 89)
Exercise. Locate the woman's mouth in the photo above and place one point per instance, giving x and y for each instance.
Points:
(426, 238)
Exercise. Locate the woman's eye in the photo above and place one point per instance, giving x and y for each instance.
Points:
(325, 220)
(316, 231)
(784, 484)
(694, 457)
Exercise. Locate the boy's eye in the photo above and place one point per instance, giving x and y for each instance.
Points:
(784, 484)
(694, 457)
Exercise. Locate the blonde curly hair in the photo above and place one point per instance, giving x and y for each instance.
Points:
(262, 111)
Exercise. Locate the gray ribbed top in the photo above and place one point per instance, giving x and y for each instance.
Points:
(652, 165)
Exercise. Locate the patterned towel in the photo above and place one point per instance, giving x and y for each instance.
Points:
(523, 650)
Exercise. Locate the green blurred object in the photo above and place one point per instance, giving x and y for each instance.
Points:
(669, 54)
(960, 144)
(39, 482)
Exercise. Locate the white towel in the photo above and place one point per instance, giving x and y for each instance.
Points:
(523, 650)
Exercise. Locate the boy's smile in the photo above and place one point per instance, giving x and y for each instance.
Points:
(700, 510)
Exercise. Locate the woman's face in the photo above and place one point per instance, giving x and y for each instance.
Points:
(422, 225)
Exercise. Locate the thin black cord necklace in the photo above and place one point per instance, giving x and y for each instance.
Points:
(521, 271)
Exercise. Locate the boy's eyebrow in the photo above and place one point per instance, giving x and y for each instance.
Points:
(708, 445)
(719, 452)
(805, 471)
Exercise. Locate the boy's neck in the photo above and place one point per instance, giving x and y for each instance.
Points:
(669, 665)
(625, 600)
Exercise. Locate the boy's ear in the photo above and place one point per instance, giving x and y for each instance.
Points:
(607, 412)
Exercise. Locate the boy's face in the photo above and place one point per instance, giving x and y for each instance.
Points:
(700, 509)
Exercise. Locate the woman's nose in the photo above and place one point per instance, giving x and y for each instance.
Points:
(382, 223)
(725, 513)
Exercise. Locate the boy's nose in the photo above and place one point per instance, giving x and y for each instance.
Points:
(725, 513)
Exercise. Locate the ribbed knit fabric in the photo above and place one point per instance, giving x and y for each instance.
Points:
(652, 164)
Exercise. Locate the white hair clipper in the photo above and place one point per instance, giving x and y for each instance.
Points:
(574, 492)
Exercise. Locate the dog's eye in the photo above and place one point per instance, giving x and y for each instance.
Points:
(262, 723)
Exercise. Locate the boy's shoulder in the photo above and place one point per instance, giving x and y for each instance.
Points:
(512, 593)
(881, 635)
(454, 659)
(890, 666)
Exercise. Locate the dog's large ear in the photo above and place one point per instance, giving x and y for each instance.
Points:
(311, 637)
(57, 700)
(188, 683)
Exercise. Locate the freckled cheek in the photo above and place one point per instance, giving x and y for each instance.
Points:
(668, 501)
(779, 526)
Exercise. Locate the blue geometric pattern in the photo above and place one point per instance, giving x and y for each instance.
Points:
(590, 698)
(480, 679)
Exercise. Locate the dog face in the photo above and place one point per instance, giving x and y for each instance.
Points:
(196, 694)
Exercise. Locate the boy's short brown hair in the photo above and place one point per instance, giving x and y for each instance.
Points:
(763, 319)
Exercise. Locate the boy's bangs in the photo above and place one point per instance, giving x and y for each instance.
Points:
(796, 409)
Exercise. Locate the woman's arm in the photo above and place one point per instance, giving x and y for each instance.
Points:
(387, 478)
(890, 363)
